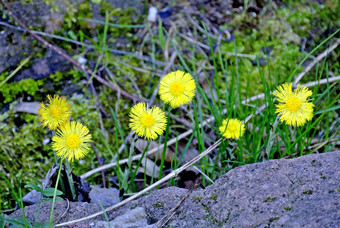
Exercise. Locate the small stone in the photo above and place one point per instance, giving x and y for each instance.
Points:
(134, 218)
(106, 196)
(32, 197)
(152, 16)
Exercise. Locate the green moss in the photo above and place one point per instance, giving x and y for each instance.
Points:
(198, 199)
(269, 199)
(22, 150)
(214, 197)
(56, 77)
(11, 91)
(72, 11)
(273, 219)
(288, 208)
(159, 204)
(334, 190)
(308, 192)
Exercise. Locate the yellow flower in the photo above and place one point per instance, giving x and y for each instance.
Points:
(147, 123)
(56, 113)
(232, 128)
(72, 141)
(177, 88)
(294, 107)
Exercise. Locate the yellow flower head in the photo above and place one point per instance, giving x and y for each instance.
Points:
(177, 88)
(232, 128)
(294, 107)
(147, 123)
(56, 113)
(72, 141)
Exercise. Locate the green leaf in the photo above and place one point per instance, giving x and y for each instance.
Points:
(51, 199)
(328, 109)
(33, 186)
(50, 192)
(17, 221)
(72, 35)
(42, 225)
(160, 34)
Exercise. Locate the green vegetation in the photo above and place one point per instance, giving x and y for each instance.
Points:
(288, 208)
(308, 192)
(214, 197)
(269, 199)
(159, 204)
(273, 219)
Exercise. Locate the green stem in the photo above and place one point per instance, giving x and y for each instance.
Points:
(70, 180)
(165, 145)
(55, 193)
(21, 202)
(138, 165)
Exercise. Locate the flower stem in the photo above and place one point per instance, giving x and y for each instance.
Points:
(165, 146)
(70, 180)
(55, 193)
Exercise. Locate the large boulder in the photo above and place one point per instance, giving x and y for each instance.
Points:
(298, 192)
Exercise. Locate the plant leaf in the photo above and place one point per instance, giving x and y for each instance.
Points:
(33, 186)
(50, 192)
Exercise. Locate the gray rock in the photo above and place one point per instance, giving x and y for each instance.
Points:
(106, 196)
(133, 218)
(32, 197)
(63, 211)
(301, 192)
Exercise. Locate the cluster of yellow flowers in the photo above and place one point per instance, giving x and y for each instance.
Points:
(178, 88)
(72, 138)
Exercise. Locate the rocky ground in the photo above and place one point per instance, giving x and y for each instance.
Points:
(299, 192)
